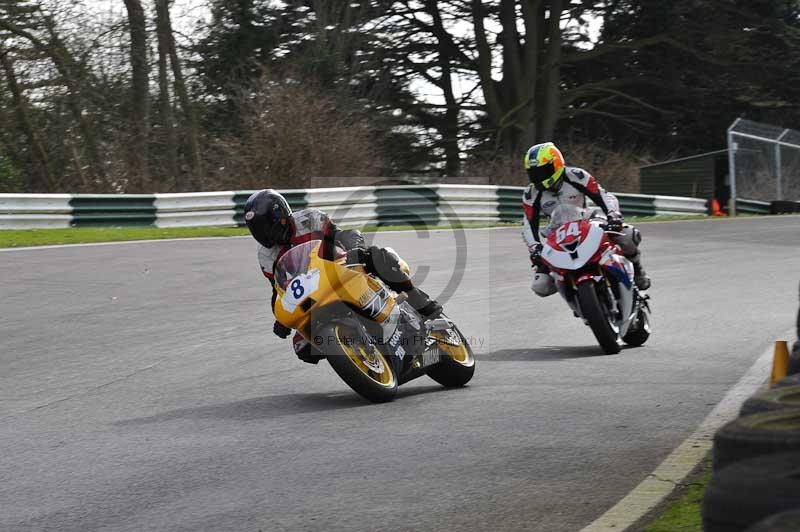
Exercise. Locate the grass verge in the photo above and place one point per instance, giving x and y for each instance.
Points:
(682, 510)
(12, 238)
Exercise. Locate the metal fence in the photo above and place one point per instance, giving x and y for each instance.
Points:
(764, 161)
(349, 206)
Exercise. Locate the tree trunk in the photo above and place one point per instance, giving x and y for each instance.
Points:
(551, 104)
(57, 51)
(484, 67)
(514, 89)
(449, 129)
(140, 95)
(531, 10)
(164, 32)
(40, 156)
(190, 127)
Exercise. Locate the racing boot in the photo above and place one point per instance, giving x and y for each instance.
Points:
(385, 263)
(640, 278)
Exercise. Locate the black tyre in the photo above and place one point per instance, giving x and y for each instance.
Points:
(794, 359)
(788, 521)
(639, 332)
(785, 397)
(457, 361)
(791, 380)
(748, 491)
(373, 376)
(756, 434)
(593, 311)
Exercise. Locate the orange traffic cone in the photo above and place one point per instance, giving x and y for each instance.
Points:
(715, 208)
(780, 362)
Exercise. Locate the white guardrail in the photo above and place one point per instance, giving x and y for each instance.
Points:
(349, 206)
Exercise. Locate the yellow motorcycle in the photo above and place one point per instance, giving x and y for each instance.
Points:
(372, 338)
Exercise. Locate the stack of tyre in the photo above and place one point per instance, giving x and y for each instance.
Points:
(755, 485)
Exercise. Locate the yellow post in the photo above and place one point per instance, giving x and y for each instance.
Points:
(780, 362)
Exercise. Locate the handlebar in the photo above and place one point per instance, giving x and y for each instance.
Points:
(604, 227)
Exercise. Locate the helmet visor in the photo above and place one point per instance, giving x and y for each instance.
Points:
(269, 233)
(543, 176)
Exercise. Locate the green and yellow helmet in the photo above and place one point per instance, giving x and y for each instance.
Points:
(544, 164)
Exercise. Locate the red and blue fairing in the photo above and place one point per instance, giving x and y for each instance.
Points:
(616, 268)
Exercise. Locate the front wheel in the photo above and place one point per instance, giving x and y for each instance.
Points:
(599, 321)
(457, 363)
(370, 375)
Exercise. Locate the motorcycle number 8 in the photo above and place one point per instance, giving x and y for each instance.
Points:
(299, 289)
(570, 230)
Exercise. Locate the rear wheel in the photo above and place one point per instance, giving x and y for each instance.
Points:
(371, 375)
(457, 363)
(607, 334)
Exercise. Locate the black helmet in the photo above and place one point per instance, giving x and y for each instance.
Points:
(267, 215)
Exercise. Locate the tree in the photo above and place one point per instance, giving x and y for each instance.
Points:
(168, 50)
(330, 45)
(705, 64)
(40, 159)
(167, 117)
(32, 38)
(509, 51)
(437, 86)
(140, 92)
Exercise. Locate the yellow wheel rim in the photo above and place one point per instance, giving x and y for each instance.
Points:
(374, 366)
(447, 345)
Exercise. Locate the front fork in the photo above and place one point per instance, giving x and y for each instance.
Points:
(568, 287)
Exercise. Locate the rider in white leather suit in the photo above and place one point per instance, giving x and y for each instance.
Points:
(553, 184)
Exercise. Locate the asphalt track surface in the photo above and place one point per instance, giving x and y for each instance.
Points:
(141, 389)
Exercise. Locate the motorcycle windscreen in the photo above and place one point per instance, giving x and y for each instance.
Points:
(295, 262)
(564, 214)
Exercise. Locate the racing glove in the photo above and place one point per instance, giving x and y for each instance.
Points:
(357, 256)
(536, 254)
(615, 220)
(281, 331)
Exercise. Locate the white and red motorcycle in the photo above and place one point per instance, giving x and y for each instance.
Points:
(595, 279)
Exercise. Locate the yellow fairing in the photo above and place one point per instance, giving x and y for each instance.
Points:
(337, 282)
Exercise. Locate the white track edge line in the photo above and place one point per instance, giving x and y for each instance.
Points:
(684, 458)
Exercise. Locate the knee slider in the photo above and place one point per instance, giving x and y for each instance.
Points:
(543, 285)
(636, 236)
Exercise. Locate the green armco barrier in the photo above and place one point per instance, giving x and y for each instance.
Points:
(434, 204)
(107, 209)
(745, 206)
(418, 205)
(509, 203)
(636, 206)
